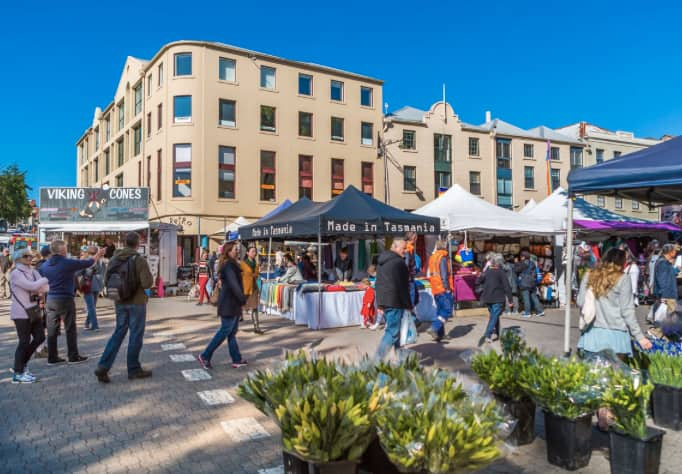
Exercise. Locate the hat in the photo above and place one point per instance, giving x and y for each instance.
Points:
(19, 254)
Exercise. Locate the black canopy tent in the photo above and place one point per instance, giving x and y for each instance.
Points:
(652, 176)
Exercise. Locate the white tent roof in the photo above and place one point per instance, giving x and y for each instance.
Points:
(233, 226)
(461, 211)
(529, 205)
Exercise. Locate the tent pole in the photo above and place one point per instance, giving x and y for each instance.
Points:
(319, 277)
(568, 278)
(267, 305)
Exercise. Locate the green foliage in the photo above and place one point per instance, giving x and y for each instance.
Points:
(627, 398)
(665, 369)
(13, 194)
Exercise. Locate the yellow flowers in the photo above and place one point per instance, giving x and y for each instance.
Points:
(628, 398)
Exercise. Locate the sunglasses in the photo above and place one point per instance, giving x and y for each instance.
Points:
(26, 256)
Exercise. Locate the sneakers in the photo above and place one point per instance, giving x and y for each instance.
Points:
(206, 364)
(495, 337)
(433, 333)
(374, 327)
(56, 361)
(525, 315)
(140, 374)
(241, 363)
(23, 378)
(102, 375)
(363, 325)
(77, 360)
(539, 315)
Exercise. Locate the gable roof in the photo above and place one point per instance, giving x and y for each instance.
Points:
(408, 114)
(554, 136)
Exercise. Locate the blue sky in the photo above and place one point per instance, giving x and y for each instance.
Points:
(616, 64)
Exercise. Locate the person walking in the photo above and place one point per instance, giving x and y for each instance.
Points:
(528, 284)
(131, 313)
(26, 288)
(250, 275)
(665, 280)
(440, 277)
(513, 309)
(392, 294)
(60, 272)
(496, 292)
(230, 304)
(203, 276)
(632, 270)
(90, 284)
(5, 265)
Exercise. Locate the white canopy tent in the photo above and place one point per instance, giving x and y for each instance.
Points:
(461, 211)
(233, 226)
(529, 205)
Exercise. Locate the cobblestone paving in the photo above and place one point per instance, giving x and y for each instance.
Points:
(68, 422)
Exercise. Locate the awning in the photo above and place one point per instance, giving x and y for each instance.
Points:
(631, 226)
(76, 227)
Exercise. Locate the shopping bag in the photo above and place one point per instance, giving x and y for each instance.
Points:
(209, 287)
(658, 312)
(213, 299)
(408, 330)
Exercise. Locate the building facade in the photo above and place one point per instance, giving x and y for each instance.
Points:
(217, 132)
(427, 151)
(602, 145)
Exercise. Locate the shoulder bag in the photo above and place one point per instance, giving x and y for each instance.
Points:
(35, 315)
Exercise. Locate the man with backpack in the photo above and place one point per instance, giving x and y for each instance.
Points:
(127, 277)
(527, 271)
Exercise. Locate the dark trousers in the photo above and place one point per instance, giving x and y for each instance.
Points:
(64, 309)
(228, 330)
(128, 316)
(31, 335)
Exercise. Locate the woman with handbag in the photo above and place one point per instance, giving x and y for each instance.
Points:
(250, 275)
(26, 288)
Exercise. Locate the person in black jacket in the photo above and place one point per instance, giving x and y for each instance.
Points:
(230, 302)
(496, 293)
(392, 294)
(343, 265)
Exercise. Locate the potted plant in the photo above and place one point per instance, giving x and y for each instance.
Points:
(568, 391)
(665, 371)
(635, 447)
(502, 375)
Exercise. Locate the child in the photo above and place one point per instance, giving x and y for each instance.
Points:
(368, 307)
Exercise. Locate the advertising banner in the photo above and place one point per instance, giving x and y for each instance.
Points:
(81, 205)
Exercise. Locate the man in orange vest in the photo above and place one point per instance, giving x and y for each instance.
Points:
(440, 276)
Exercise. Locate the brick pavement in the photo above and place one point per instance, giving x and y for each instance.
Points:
(68, 422)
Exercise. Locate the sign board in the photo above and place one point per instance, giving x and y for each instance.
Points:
(94, 205)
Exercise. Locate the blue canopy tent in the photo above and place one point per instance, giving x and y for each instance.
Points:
(652, 176)
(286, 204)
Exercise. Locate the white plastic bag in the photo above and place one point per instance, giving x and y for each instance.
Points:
(658, 312)
(209, 287)
(589, 310)
(408, 330)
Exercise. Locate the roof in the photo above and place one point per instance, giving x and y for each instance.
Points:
(554, 136)
(408, 114)
(504, 128)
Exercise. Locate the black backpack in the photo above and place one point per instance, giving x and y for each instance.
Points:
(121, 279)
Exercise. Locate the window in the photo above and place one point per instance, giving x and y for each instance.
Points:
(226, 172)
(267, 118)
(410, 178)
(227, 113)
(635, 205)
(336, 92)
(366, 98)
(137, 140)
(442, 146)
(183, 64)
(107, 164)
(528, 150)
(337, 177)
(576, 157)
(504, 192)
(138, 98)
(475, 182)
(367, 173)
(337, 129)
(305, 84)
(366, 133)
(601, 201)
(121, 115)
(107, 128)
(600, 155)
(529, 177)
(159, 116)
(182, 108)
(119, 180)
(555, 178)
(503, 152)
(616, 154)
(618, 203)
(85, 150)
(149, 171)
(227, 69)
(96, 169)
(139, 173)
(305, 124)
(96, 139)
(120, 148)
(474, 149)
(150, 81)
(149, 124)
(182, 170)
(554, 153)
(267, 175)
(305, 176)
(86, 176)
(158, 175)
(267, 77)
(160, 75)
(409, 140)
(443, 181)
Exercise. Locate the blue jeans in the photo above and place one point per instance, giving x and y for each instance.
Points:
(91, 303)
(531, 301)
(228, 330)
(391, 332)
(495, 310)
(128, 316)
(444, 305)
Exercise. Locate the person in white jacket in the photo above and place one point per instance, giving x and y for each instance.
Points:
(632, 270)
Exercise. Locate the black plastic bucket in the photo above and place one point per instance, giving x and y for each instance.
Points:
(375, 460)
(633, 455)
(524, 412)
(293, 464)
(569, 442)
(334, 467)
(666, 405)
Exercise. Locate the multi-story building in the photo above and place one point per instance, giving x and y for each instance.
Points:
(218, 132)
(428, 151)
(602, 145)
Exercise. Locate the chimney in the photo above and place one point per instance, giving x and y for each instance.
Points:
(583, 129)
(487, 116)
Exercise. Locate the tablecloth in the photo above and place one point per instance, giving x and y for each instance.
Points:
(464, 288)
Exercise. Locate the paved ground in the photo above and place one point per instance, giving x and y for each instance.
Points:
(68, 422)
